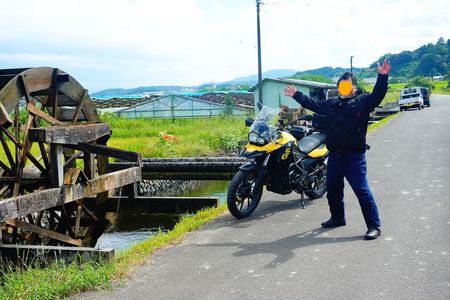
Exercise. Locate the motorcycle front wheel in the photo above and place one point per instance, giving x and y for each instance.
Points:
(244, 193)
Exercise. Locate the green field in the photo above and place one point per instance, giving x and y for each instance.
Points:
(442, 87)
(193, 137)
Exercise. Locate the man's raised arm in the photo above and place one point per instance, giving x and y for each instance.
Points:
(306, 102)
(381, 86)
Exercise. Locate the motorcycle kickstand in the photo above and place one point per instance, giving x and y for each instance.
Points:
(302, 200)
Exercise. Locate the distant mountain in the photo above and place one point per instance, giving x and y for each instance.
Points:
(324, 73)
(140, 90)
(427, 60)
(329, 72)
(253, 79)
(247, 80)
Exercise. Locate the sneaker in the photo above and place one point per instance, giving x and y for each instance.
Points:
(373, 233)
(333, 223)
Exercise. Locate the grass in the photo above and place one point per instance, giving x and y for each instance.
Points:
(382, 122)
(193, 137)
(62, 280)
(442, 87)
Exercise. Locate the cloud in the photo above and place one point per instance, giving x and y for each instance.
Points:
(126, 43)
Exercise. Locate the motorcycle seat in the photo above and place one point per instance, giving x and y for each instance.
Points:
(310, 142)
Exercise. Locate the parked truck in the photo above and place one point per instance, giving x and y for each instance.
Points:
(410, 98)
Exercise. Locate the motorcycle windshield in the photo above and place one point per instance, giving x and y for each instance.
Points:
(264, 123)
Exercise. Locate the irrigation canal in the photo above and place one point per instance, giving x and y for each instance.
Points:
(130, 226)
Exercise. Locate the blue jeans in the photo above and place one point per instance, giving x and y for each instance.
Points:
(352, 166)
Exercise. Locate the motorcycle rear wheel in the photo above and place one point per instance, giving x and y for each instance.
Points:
(320, 189)
(244, 188)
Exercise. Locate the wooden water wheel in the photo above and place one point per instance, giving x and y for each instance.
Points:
(54, 161)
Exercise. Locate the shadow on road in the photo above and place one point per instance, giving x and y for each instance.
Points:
(266, 209)
(283, 249)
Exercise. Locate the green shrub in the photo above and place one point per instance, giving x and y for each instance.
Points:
(230, 139)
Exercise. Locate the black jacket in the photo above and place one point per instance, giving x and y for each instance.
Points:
(348, 118)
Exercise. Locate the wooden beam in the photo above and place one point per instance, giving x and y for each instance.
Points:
(69, 134)
(6, 168)
(108, 151)
(25, 204)
(39, 113)
(48, 233)
(5, 119)
(79, 107)
(89, 165)
(71, 175)
(7, 151)
(20, 146)
(8, 209)
(57, 165)
(37, 201)
(23, 180)
(28, 253)
(72, 160)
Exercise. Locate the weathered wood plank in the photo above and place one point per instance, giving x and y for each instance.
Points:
(39, 113)
(51, 234)
(33, 202)
(71, 175)
(8, 209)
(102, 183)
(57, 166)
(70, 134)
(110, 152)
(20, 146)
(28, 253)
(9, 156)
(5, 119)
(79, 107)
(22, 205)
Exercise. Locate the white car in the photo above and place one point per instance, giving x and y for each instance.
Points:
(409, 98)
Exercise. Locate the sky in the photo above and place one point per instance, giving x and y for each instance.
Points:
(131, 43)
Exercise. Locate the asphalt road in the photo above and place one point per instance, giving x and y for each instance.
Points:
(282, 252)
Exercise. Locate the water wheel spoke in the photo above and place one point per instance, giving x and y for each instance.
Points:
(26, 146)
(28, 154)
(7, 150)
(41, 231)
(44, 116)
(79, 107)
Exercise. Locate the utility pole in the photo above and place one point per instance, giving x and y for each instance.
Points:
(260, 95)
(351, 64)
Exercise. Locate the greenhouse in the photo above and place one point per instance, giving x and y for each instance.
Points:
(179, 106)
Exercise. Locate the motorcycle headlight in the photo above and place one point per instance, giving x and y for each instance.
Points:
(255, 138)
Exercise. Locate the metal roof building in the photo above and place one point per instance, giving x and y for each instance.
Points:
(273, 91)
(179, 106)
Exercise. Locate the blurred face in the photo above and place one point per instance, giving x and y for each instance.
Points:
(346, 88)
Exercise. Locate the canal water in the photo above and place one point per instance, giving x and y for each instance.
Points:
(130, 228)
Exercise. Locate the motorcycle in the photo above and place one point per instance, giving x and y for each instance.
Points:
(284, 158)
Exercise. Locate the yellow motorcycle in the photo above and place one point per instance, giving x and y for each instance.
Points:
(284, 158)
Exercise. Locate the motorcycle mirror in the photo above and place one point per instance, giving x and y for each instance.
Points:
(249, 122)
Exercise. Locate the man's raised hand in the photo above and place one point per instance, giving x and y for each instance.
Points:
(289, 90)
(385, 68)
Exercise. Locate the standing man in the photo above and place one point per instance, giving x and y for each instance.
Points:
(348, 116)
